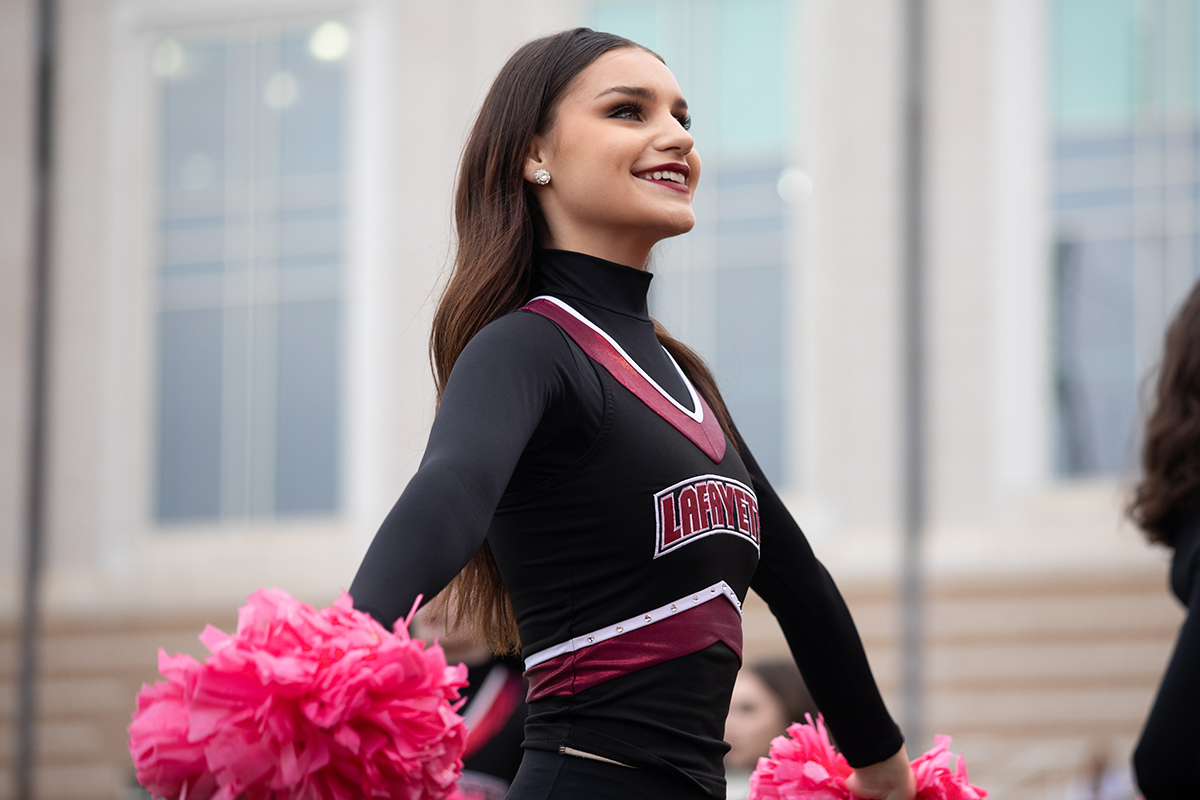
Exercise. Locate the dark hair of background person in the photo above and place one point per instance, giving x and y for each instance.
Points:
(1170, 484)
(783, 679)
(498, 224)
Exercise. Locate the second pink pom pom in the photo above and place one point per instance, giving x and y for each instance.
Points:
(804, 765)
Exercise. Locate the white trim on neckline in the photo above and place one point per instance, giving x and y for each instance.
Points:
(697, 415)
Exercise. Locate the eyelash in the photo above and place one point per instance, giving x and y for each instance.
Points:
(636, 108)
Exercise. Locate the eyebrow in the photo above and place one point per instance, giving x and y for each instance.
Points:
(639, 91)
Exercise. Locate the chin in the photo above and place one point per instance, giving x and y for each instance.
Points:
(676, 224)
(678, 230)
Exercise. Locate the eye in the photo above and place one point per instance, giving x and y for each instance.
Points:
(685, 121)
(627, 111)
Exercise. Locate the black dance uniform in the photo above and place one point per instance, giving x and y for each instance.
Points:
(627, 530)
(1167, 759)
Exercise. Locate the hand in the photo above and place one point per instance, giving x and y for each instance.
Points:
(891, 779)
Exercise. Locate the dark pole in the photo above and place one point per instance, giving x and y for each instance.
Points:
(35, 475)
(913, 498)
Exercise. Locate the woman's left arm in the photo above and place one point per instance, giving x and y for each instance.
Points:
(823, 639)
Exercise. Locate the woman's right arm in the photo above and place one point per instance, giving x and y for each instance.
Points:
(501, 387)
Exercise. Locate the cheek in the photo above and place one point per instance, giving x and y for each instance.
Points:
(693, 162)
(596, 172)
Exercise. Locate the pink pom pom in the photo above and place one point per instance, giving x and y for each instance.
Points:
(303, 705)
(941, 775)
(807, 767)
(804, 767)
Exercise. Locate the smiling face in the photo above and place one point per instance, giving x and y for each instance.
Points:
(622, 166)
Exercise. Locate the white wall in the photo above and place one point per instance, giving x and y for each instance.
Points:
(851, 325)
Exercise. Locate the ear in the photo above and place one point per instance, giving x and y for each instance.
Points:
(536, 158)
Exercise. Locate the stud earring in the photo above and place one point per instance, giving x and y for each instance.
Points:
(541, 176)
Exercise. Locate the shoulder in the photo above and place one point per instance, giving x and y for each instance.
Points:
(519, 343)
(517, 335)
(520, 325)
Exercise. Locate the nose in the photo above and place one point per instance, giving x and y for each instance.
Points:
(673, 136)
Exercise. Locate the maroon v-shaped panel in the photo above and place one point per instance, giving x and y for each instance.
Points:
(705, 433)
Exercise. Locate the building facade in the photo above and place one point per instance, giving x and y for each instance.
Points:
(252, 214)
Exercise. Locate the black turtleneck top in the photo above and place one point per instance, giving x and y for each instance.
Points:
(523, 407)
(1167, 758)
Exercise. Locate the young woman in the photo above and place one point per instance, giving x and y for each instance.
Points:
(1166, 505)
(582, 466)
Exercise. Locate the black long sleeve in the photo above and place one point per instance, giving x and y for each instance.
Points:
(1167, 758)
(820, 632)
(504, 384)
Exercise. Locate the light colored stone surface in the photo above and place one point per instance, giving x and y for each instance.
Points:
(80, 781)
(1048, 619)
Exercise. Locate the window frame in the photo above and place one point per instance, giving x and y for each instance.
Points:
(132, 532)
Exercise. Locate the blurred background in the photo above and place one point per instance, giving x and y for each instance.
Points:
(251, 216)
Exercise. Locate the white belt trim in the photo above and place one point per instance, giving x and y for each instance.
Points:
(719, 589)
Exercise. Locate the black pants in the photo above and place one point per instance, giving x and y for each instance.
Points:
(550, 776)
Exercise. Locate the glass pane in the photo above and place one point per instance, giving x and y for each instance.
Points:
(635, 20)
(194, 246)
(1096, 387)
(1125, 168)
(751, 352)
(308, 237)
(753, 104)
(251, 240)
(307, 460)
(1094, 60)
(750, 258)
(193, 82)
(189, 484)
(311, 126)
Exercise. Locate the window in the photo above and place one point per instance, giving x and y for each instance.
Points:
(1126, 150)
(721, 288)
(250, 180)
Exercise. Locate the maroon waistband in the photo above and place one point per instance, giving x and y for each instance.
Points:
(673, 637)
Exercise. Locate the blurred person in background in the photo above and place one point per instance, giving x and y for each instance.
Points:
(767, 697)
(1166, 505)
(495, 710)
(582, 478)
(1101, 779)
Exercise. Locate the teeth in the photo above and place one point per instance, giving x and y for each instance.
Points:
(667, 176)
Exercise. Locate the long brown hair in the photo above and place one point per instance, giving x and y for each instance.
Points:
(1170, 484)
(498, 221)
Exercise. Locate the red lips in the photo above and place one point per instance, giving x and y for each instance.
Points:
(681, 169)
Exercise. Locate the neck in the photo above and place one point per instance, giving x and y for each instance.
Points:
(625, 250)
